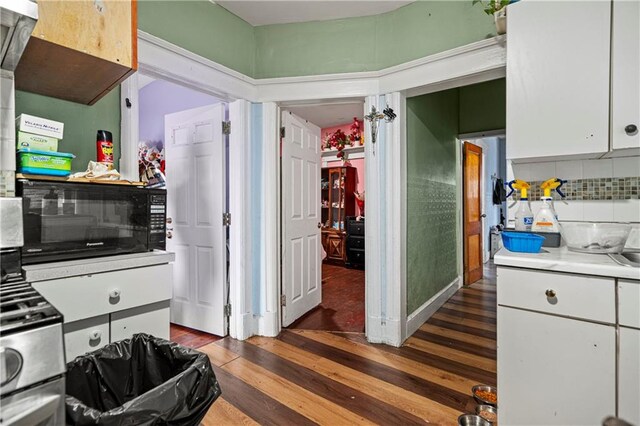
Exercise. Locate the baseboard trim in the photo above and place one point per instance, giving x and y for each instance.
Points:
(388, 333)
(424, 312)
(244, 327)
(268, 325)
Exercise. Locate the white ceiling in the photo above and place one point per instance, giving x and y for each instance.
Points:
(329, 115)
(266, 12)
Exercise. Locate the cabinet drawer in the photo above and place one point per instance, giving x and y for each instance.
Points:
(355, 242)
(355, 256)
(629, 303)
(91, 295)
(85, 336)
(590, 298)
(355, 228)
(151, 319)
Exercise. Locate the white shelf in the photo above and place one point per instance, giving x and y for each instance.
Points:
(354, 152)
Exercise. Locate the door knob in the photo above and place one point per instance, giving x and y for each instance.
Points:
(631, 129)
(319, 224)
(169, 220)
(169, 234)
(483, 215)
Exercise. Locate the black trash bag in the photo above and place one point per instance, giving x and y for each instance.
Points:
(140, 381)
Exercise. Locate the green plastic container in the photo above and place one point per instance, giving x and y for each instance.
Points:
(34, 162)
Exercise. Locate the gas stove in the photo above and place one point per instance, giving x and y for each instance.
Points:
(23, 308)
(32, 363)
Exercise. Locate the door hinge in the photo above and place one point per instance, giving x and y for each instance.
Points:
(226, 127)
(227, 310)
(283, 300)
(226, 219)
(283, 132)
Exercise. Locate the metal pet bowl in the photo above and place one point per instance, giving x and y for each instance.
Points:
(472, 420)
(490, 409)
(477, 388)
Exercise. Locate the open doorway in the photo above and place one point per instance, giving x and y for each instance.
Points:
(484, 170)
(323, 195)
(182, 148)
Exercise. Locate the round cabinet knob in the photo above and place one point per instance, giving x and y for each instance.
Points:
(115, 293)
(550, 293)
(631, 129)
(95, 335)
(319, 224)
(169, 220)
(169, 234)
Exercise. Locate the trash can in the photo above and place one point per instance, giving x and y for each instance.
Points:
(140, 381)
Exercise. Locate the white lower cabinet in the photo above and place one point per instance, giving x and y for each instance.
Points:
(629, 370)
(151, 319)
(110, 306)
(554, 370)
(85, 336)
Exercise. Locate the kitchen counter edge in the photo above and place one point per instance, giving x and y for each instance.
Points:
(72, 268)
(563, 260)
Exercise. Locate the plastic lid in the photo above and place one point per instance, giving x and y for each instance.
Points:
(104, 135)
(51, 153)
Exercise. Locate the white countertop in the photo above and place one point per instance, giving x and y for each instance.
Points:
(72, 268)
(563, 260)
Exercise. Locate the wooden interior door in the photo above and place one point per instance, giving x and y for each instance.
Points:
(472, 201)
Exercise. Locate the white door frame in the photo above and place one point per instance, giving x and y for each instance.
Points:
(386, 316)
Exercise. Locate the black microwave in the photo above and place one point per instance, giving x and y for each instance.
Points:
(69, 220)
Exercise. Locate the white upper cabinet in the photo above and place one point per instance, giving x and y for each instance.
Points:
(625, 79)
(558, 58)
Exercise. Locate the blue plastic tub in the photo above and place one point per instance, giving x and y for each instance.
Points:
(522, 242)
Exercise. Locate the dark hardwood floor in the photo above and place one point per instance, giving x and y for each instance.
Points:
(342, 307)
(337, 378)
(189, 337)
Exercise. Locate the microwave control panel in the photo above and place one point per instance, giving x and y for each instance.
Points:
(157, 221)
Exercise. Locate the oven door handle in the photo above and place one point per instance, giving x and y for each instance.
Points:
(37, 413)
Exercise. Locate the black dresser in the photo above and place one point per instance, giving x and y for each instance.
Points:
(355, 242)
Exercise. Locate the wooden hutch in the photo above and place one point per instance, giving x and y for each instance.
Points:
(338, 201)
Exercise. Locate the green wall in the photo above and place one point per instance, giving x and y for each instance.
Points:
(203, 28)
(80, 123)
(483, 106)
(432, 128)
(368, 43)
(434, 122)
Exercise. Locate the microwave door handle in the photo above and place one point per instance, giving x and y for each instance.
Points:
(38, 413)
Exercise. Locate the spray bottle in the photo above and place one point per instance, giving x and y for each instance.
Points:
(524, 216)
(546, 220)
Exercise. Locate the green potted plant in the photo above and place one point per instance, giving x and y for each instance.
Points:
(497, 8)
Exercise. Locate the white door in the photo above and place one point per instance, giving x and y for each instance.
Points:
(195, 169)
(625, 68)
(301, 269)
(629, 375)
(547, 363)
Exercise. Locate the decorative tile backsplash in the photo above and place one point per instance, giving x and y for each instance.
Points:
(623, 188)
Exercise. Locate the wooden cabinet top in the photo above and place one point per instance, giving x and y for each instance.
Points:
(80, 50)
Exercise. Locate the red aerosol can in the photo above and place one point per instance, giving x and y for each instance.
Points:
(104, 144)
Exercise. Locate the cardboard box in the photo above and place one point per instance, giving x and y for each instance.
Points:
(39, 126)
(41, 143)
